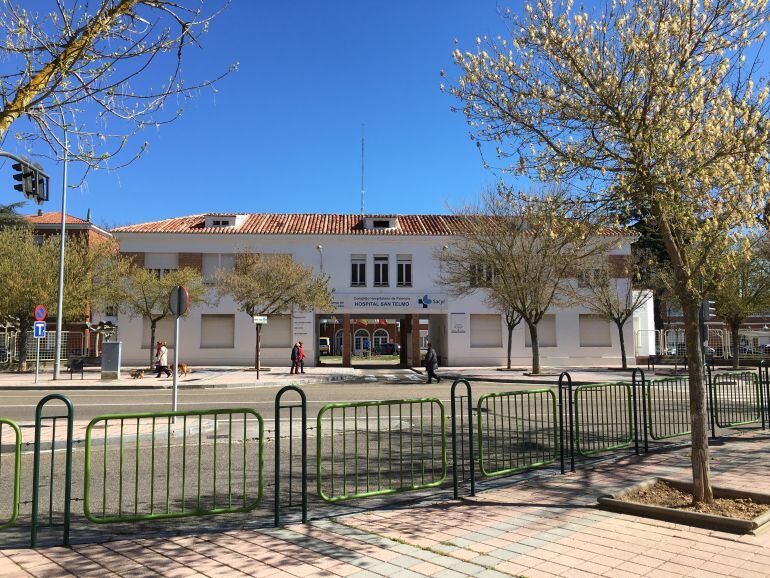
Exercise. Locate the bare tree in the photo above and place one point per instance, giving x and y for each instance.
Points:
(608, 289)
(519, 250)
(273, 284)
(650, 105)
(83, 67)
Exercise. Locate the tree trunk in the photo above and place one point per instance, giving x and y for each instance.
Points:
(701, 476)
(735, 338)
(510, 339)
(622, 344)
(21, 345)
(257, 348)
(153, 327)
(535, 348)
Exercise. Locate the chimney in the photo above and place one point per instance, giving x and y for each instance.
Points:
(40, 212)
(88, 215)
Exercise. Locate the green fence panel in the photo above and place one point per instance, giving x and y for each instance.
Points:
(376, 448)
(517, 431)
(737, 398)
(145, 466)
(668, 407)
(603, 417)
(12, 509)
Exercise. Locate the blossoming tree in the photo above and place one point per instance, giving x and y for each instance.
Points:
(654, 105)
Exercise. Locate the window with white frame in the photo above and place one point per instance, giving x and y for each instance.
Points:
(482, 274)
(404, 270)
(380, 337)
(486, 330)
(381, 266)
(546, 332)
(161, 263)
(360, 340)
(213, 262)
(358, 270)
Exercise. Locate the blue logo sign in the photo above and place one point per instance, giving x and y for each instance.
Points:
(425, 301)
(39, 329)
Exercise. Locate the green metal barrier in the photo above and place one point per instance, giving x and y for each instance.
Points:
(129, 483)
(518, 431)
(15, 483)
(380, 447)
(737, 398)
(603, 417)
(668, 407)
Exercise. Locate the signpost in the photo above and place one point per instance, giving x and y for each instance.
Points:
(259, 321)
(38, 332)
(179, 303)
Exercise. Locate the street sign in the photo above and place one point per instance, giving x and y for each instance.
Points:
(179, 301)
(39, 330)
(260, 319)
(40, 313)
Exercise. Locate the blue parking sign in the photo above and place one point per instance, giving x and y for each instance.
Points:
(39, 330)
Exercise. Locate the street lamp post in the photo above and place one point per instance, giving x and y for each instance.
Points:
(60, 300)
(321, 252)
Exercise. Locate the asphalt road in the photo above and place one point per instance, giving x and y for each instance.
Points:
(20, 406)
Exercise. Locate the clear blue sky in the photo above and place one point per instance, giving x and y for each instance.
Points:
(282, 134)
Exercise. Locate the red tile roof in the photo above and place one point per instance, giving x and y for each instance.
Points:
(309, 224)
(54, 219)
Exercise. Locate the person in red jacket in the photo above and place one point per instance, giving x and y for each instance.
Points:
(301, 357)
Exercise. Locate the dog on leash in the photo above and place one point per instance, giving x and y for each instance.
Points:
(137, 374)
(184, 369)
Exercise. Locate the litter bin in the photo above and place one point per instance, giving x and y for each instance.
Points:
(111, 351)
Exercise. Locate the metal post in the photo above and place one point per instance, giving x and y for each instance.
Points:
(635, 402)
(67, 471)
(472, 472)
(37, 359)
(60, 299)
(277, 457)
(174, 392)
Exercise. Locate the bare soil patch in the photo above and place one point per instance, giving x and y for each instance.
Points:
(665, 495)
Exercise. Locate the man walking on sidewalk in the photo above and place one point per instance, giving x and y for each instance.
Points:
(431, 363)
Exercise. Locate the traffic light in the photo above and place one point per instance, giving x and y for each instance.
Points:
(33, 182)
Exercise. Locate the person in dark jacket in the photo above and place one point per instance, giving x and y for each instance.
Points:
(300, 358)
(431, 363)
(295, 352)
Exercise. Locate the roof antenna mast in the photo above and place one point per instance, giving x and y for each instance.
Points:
(362, 170)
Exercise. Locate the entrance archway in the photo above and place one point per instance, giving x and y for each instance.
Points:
(361, 339)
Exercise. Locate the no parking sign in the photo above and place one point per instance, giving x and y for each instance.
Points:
(40, 313)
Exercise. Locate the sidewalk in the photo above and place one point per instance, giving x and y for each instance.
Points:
(544, 526)
(204, 377)
(233, 377)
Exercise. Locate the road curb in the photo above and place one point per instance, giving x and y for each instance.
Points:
(182, 385)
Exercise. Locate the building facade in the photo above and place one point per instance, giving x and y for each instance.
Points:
(383, 270)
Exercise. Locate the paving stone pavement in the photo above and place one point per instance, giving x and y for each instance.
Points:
(542, 526)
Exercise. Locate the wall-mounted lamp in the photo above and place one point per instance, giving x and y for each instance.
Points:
(321, 253)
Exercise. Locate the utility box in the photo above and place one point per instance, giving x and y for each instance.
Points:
(111, 359)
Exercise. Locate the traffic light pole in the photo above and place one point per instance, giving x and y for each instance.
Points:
(63, 242)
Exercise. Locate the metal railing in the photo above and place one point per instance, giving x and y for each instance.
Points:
(738, 398)
(603, 417)
(302, 406)
(517, 431)
(12, 484)
(667, 407)
(375, 448)
(36, 468)
(132, 455)
(463, 466)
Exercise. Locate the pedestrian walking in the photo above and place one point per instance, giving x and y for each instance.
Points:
(431, 363)
(162, 360)
(295, 358)
(300, 357)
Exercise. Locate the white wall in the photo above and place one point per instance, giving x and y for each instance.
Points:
(452, 346)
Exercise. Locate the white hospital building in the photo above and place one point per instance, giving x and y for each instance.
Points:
(383, 270)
